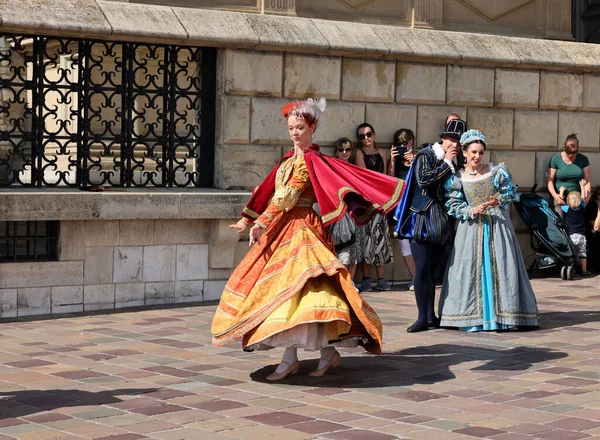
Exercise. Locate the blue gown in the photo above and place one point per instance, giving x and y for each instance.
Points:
(486, 286)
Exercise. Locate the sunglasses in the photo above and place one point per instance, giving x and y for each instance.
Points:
(344, 150)
(573, 153)
(363, 136)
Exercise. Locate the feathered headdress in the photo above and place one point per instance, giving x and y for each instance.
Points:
(309, 109)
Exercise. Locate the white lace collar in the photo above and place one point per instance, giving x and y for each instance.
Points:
(438, 151)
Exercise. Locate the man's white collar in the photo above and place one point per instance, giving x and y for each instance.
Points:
(439, 151)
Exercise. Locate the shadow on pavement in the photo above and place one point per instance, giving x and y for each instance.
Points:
(417, 365)
(27, 402)
(552, 320)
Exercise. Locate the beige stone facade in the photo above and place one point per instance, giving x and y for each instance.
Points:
(168, 246)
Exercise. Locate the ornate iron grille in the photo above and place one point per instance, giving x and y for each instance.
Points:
(29, 241)
(82, 113)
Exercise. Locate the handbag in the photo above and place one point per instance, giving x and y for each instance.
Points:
(343, 232)
(431, 226)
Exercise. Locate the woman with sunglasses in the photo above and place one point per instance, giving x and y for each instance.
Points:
(374, 238)
(566, 169)
(350, 253)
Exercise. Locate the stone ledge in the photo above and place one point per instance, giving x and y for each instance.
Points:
(69, 204)
(85, 18)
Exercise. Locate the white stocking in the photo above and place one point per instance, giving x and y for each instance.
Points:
(289, 357)
(326, 354)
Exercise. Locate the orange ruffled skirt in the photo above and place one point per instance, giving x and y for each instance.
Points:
(291, 290)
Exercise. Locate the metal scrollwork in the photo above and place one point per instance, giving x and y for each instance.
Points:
(78, 112)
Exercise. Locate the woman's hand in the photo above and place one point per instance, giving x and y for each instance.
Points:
(394, 152)
(480, 209)
(255, 233)
(558, 200)
(241, 225)
(409, 156)
(492, 203)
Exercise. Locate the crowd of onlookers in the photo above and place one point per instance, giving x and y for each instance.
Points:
(568, 182)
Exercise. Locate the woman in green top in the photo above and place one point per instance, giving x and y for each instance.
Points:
(567, 169)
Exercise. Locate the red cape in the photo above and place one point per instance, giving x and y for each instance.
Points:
(339, 186)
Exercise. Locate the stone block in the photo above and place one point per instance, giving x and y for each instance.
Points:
(266, 124)
(341, 120)
(343, 38)
(213, 290)
(146, 205)
(594, 165)
(79, 18)
(136, 232)
(102, 233)
(192, 262)
(420, 44)
(218, 204)
(245, 166)
(538, 53)
(561, 91)
(99, 297)
(130, 295)
(66, 296)
(431, 121)
(33, 301)
(387, 118)
(74, 308)
(235, 120)
(98, 267)
(484, 50)
(127, 264)
(241, 249)
(67, 299)
(49, 206)
(287, 33)
(159, 263)
(517, 221)
(71, 240)
(517, 88)
(469, 85)
(207, 27)
(586, 125)
(542, 160)
(181, 231)
(223, 241)
(535, 130)
(521, 165)
(8, 303)
(591, 92)
(253, 73)
(219, 274)
(189, 291)
(495, 124)
(39, 274)
(312, 76)
(134, 22)
(368, 80)
(160, 293)
(421, 83)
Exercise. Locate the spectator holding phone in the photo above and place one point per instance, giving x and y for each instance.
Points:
(402, 155)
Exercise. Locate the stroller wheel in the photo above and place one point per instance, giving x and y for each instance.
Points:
(563, 272)
(570, 272)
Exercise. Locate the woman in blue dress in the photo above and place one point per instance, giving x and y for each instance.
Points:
(486, 285)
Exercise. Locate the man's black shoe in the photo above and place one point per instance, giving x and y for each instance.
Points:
(418, 327)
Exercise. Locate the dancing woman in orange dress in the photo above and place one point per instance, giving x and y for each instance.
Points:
(290, 290)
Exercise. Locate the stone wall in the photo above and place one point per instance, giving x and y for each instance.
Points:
(113, 264)
(525, 113)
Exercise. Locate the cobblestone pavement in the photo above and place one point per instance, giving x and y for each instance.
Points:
(153, 374)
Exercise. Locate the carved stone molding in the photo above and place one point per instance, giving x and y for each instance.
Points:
(279, 7)
(356, 3)
(429, 11)
(558, 18)
(493, 9)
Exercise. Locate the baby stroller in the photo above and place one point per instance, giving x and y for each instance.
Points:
(549, 240)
